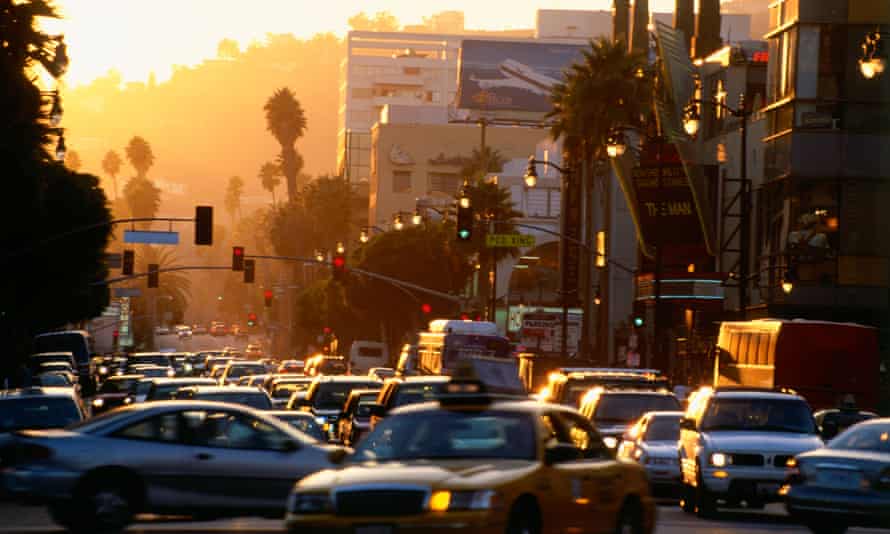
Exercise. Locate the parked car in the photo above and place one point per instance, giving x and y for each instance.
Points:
(253, 397)
(39, 408)
(844, 484)
(735, 442)
(302, 421)
(355, 419)
(193, 458)
(652, 443)
(614, 411)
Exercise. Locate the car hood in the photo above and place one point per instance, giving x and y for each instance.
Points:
(660, 449)
(870, 458)
(761, 442)
(612, 429)
(454, 474)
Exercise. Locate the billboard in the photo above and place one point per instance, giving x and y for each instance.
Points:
(511, 75)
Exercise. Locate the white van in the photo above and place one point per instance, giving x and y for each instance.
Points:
(363, 355)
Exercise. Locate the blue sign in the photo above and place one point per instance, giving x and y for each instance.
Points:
(512, 75)
(151, 238)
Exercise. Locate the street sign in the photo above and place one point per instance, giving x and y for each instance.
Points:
(151, 237)
(127, 292)
(509, 240)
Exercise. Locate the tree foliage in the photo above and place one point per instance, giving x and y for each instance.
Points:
(286, 122)
(143, 197)
(140, 156)
(234, 192)
(111, 164)
(72, 160)
(47, 282)
(382, 21)
(270, 177)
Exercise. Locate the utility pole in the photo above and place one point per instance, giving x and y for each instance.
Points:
(745, 234)
(659, 257)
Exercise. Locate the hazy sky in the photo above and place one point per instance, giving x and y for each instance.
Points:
(137, 37)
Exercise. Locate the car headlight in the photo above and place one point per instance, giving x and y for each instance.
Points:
(718, 459)
(171, 373)
(321, 419)
(309, 503)
(188, 367)
(610, 442)
(98, 403)
(103, 370)
(447, 501)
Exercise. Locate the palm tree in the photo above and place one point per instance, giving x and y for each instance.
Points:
(143, 198)
(176, 287)
(234, 191)
(140, 155)
(285, 120)
(270, 177)
(601, 92)
(72, 160)
(482, 162)
(111, 164)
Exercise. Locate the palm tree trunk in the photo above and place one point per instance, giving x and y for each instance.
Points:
(273, 198)
(114, 185)
(289, 168)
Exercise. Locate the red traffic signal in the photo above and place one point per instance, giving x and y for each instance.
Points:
(326, 330)
(267, 296)
(237, 258)
(338, 263)
(426, 308)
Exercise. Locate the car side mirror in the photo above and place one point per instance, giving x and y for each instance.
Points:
(687, 423)
(561, 452)
(338, 455)
(376, 409)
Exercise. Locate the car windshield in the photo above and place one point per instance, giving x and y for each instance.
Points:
(37, 412)
(759, 414)
(450, 435)
(284, 391)
(663, 429)
(873, 437)
(615, 409)
(112, 386)
(416, 393)
(332, 395)
(245, 370)
(53, 379)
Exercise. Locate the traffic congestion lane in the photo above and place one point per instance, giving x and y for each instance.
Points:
(671, 520)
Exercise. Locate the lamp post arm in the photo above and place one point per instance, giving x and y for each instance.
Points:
(562, 170)
(735, 112)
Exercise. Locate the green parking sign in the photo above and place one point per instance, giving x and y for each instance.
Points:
(509, 240)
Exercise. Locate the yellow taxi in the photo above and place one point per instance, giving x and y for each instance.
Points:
(479, 463)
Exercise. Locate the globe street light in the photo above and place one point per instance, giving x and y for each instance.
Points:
(616, 145)
(873, 61)
(341, 249)
(397, 222)
(416, 219)
(531, 174)
(320, 255)
(363, 237)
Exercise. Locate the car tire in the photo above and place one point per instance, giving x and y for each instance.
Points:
(630, 519)
(102, 506)
(705, 502)
(524, 519)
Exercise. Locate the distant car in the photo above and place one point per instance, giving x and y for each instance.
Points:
(844, 484)
(165, 388)
(254, 351)
(614, 411)
(291, 366)
(252, 397)
(302, 421)
(252, 380)
(356, 418)
(236, 369)
(202, 459)
(234, 329)
(147, 358)
(114, 392)
(185, 333)
(215, 359)
(218, 329)
(652, 443)
(39, 408)
(162, 331)
(282, 389)
(61, 379)
(381, 373)
(326, 365)
(327, 395)
(153, 371)
(834, 421)
(398, 392)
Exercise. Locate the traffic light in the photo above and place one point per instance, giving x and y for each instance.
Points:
(153, 275)
(237, 258)
(251, 319)
(338, 266)
(426, 308)
(464, 222)
(267, 297)
(249, 271)
(638, 321)
(127, 262)
(203, 225)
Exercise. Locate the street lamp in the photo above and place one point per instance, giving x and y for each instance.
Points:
(416, 219)
(397, 222)
(616, 145)
(531, 174)
(873, 61)
(363, 236)
(341, 249)
(320, 255)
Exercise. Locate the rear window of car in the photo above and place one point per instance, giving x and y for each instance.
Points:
(619, 409)
(370, 352)
(416, 393)
(871, 437)
(37, 413)
(244, 370)
(254, 400)
(332, 395)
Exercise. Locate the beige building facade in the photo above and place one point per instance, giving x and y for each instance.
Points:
(411, 161)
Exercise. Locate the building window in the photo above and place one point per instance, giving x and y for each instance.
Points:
(444, 182)
(401, 181)
(362, 92)
(411, 71)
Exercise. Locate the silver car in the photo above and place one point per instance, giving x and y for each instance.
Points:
(652, 442)
(203, 459)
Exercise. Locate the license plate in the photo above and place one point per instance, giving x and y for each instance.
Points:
(374, 529)
(767, 489)
(838, 478)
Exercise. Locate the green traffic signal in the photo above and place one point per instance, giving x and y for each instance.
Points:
(463, 234)
(638, 321)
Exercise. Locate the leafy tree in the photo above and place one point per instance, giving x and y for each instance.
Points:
(482, 162)
(270, 176)
(490, 202)
(172, 294)
(228, 49)
(234, 192)
(599, 93)
(72, 160)
(143, 197)
(383, 21)
(47, 281)
(425, 255)
(140, 156)
(287, 123)
(111, 164)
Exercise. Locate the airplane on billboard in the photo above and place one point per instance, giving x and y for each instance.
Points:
(520, 76)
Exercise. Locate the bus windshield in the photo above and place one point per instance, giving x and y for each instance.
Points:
(459, 346)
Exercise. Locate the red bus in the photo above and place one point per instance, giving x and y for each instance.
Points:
(822, 361)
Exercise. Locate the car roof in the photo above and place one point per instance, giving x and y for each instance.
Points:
(184, 380)
(637, 392)
(344, 378)
(225, 389)
(756, 394)
(293, 414)
(116, 378)
(357, 392)
(666, 414)
(54, 353)
(36, 391)
(513, 405)
(427, 379)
